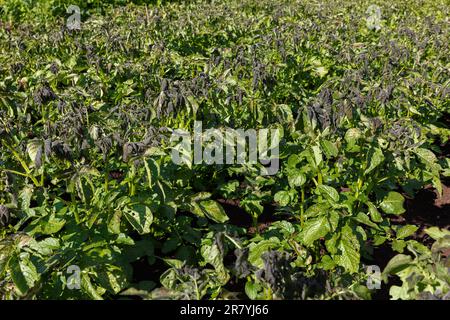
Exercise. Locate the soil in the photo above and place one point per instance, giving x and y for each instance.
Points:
(239, 217)
(427, 209)
(381, 256)
(143, 271)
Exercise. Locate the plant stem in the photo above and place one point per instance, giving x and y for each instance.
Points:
(302, 208)
(22, 163)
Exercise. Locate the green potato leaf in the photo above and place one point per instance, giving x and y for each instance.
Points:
(140, 217)
(329, 192)
(393, 203)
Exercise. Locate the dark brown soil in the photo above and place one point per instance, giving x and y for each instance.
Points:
(381, 257)
(427, 209)
(239, 217)
(142, 270)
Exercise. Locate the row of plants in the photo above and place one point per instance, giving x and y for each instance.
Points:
(87, 177)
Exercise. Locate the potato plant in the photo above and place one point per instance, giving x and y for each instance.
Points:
(92, 205)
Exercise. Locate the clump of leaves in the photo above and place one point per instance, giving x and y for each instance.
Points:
(425, 275)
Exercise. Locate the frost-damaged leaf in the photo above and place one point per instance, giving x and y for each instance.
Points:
(348, 250)
(375, 158)
(393, 203)
(140, 217)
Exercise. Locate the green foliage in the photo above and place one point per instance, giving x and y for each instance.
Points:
(87, 178)
(425, 276)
